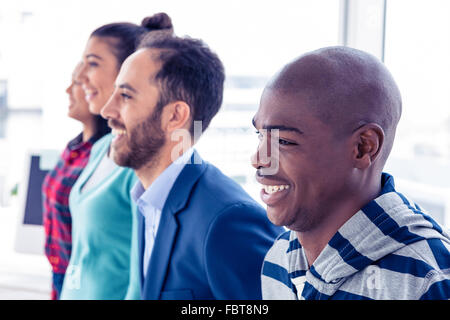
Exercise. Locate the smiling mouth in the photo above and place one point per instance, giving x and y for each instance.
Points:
(89, 94)
(270, 189)
(273, 189)
(118, 132)
(272, 195)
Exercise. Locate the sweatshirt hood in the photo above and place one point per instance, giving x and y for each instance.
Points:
(383, 226)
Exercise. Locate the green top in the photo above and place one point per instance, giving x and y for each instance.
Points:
(104, 229)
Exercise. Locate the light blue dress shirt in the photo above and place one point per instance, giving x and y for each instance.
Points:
(150, 202)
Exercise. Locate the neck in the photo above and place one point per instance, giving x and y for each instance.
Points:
(89, 129)
(148, 173)
(314, 241)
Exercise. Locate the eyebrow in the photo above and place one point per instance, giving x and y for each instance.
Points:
(279, 127)
(92, 55)
(128, 87)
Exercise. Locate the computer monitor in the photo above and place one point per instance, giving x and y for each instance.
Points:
(30, 231)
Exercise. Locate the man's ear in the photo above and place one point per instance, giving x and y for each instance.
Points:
(176, 115)
(367, 146)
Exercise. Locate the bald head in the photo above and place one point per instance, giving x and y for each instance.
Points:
(345, 88)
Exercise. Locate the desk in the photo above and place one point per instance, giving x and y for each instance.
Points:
(22, 276)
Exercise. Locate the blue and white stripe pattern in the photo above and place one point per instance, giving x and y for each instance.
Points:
(390, 249)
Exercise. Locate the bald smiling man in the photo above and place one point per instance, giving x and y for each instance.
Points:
(333, 115)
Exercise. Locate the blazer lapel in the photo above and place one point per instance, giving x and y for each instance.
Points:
(168, 226)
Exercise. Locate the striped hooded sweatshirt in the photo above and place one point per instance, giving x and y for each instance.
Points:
(390, 249)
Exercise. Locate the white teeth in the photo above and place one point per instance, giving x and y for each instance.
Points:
(273, 189)
(118, 132)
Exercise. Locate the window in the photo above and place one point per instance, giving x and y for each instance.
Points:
(417, 52)
(3, 106)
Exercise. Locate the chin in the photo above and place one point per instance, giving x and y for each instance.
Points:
(74, 115)
(116, 157)
(95, 109)
(276, 216)
(70, 114)
(124, 160)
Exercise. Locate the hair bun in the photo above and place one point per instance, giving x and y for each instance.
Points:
(158, 21)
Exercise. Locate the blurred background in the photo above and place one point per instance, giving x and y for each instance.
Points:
(42, 40)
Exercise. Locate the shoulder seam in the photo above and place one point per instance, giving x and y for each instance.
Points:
(429, 277)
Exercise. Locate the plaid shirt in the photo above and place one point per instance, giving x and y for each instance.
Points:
(57, 220)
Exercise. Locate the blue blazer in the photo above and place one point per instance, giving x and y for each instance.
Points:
(211, 240)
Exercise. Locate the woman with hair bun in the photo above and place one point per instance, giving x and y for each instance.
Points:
(103, 264)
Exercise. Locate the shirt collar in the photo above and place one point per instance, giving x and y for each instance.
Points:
(157, 193)
(379, 228)
(78, 143)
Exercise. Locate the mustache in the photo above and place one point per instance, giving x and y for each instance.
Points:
(115, 124)
(266, 172)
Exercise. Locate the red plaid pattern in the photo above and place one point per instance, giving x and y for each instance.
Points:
(57, 219)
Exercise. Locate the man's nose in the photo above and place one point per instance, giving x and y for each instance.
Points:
(261, 158)
(254, 160)
(267, 154)
(110, 109)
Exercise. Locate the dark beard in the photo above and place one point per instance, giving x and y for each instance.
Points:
(144, 143)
